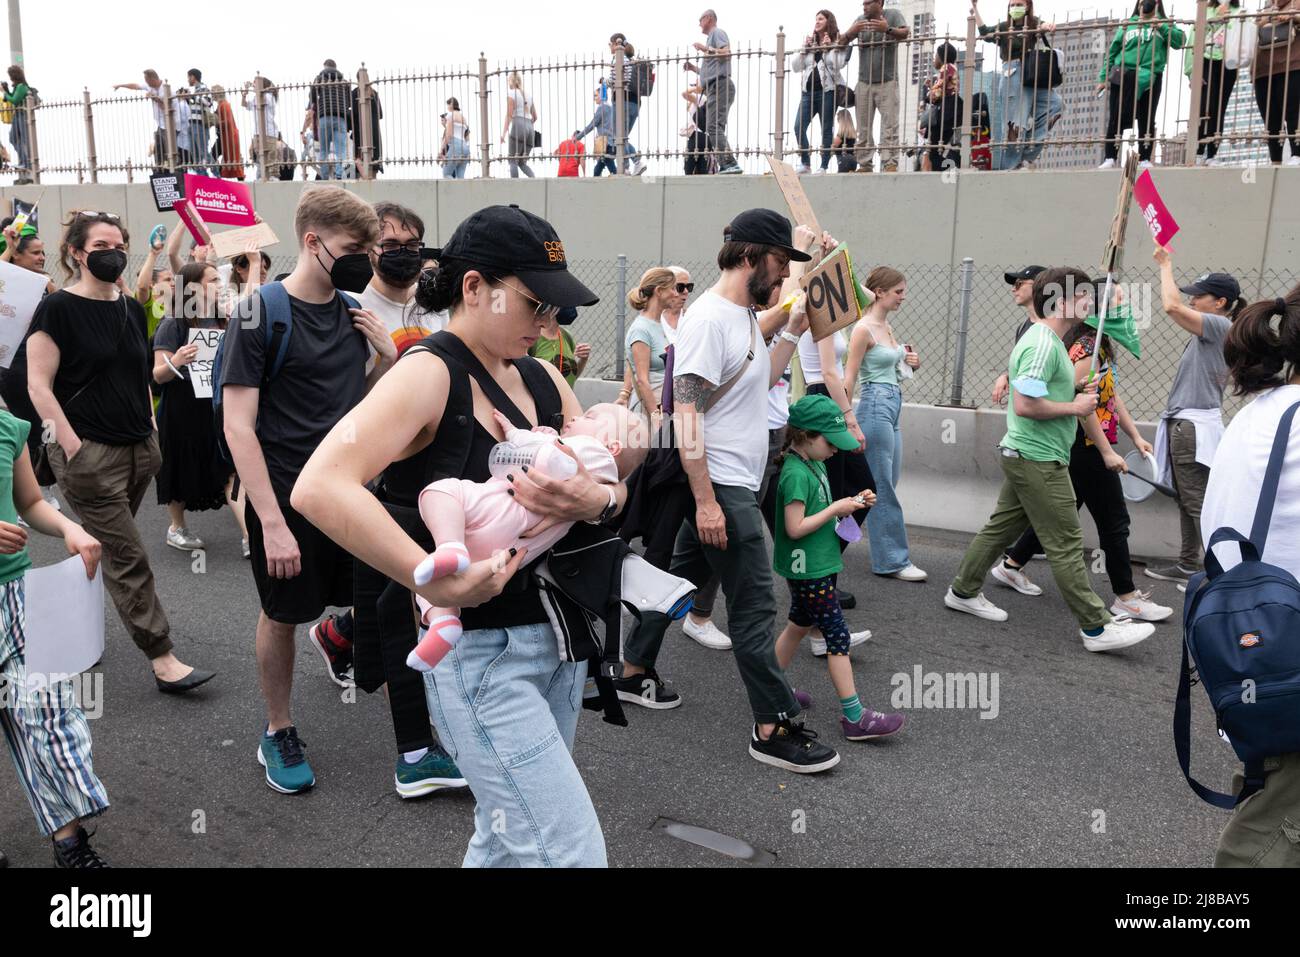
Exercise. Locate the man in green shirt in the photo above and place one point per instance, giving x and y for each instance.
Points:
(1042, 418)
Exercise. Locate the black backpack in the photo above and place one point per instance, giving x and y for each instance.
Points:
(643, 78)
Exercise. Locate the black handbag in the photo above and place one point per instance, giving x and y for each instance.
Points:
(1275, 35)
(537, 139)
(1042, 69)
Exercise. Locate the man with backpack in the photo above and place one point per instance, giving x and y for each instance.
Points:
(293, 364)
(638, 79)
(329, 100)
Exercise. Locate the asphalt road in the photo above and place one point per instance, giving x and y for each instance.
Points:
(1077, 767)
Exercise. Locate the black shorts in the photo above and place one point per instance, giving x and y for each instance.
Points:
(325, 580)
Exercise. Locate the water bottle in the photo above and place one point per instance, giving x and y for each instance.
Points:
(508, 458)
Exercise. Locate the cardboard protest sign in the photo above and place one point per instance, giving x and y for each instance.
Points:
(801, 210)
(1158, 218)
(219, 201)
(208, 341)
(167, 189)
(832, 299)
(232, 242)
(20, 294)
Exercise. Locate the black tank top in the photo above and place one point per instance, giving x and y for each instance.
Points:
(519, 603)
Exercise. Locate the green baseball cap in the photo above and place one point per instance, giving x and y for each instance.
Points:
(820, 414)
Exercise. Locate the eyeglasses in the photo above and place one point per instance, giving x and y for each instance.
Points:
(393, 246)
(542, 310)
(90, 212)
(686, 287)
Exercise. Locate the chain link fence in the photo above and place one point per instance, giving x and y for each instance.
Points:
(929, 321)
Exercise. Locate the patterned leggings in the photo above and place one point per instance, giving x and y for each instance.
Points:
(813, 602)
(47, 733)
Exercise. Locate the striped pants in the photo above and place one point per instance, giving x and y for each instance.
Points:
(47, 733)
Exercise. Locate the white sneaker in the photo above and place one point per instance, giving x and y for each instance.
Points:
(1293, 161)
(979, 606)
(1145, 164)
(182, 539)
(706, 634)
(1182, 588)
(910, 574)
(1015, 578)
(1118, 633)
(817, 644)
(1140, 608)
(639, 168)
(802, 169)
(1109, 164)
(819, 171)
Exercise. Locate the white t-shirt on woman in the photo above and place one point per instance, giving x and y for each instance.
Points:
(521, 105)
(810, 357)
(1238, 473)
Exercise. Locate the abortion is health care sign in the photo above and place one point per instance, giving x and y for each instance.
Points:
(1158, 218)
(220, 201)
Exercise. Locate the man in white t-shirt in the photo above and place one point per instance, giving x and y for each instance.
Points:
(398, 261)
(722, 373)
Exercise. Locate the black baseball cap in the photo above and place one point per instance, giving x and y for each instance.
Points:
(514, 242)
(764, 227)
(1028, 274)
(1220, 285)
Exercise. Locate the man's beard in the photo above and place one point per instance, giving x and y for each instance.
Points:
(760, 287)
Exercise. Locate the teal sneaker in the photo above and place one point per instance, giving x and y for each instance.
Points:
(287, 770)
(432, 772)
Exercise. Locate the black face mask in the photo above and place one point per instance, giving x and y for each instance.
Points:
(351, 273)
(1148, 6)
(400, 267)
(106, 265)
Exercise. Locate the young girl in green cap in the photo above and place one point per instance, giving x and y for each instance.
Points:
(807, 553)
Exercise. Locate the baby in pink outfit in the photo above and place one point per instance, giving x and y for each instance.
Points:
(471, 521)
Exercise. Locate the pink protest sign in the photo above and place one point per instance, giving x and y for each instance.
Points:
(1158, 218)
(220, 201)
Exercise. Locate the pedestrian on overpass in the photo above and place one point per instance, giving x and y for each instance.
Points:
(1046, 403)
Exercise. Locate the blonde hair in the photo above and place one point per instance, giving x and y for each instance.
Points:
(652, 280)
(332, 207)
(844, 125)
(516, 82)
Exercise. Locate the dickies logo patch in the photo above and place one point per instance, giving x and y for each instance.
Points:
(1249, 640)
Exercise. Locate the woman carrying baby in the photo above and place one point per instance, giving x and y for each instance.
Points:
(504, 703)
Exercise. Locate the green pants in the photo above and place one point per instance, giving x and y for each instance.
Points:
(1037, 493)
(1265, 831)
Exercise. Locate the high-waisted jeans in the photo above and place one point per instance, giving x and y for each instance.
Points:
(879, 408)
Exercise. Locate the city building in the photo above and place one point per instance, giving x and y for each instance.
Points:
(1242, 118)
(1083, 47)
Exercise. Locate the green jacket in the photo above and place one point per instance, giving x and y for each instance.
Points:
(18, 95)
(1142, 48)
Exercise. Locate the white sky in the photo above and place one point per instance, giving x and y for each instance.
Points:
(69, 44)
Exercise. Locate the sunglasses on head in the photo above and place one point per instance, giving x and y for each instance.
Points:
(686, 287)
(542, 310)
(90, 212)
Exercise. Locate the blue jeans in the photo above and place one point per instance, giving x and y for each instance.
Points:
(821, 105)
(457, 159)
(18, 139)
(506, 708)
(333, 140)
(878, 411)
(632, 109)
(606, 162)
(199, 152)
(1031, 110)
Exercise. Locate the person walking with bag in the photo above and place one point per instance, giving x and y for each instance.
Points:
(1031, 107)
(519, 132)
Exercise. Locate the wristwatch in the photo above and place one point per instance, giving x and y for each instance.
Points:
(789, 337)
(608, 511)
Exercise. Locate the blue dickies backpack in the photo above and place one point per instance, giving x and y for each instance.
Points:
(278, 329)
(1242, 630)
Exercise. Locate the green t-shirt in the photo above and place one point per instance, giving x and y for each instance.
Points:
(13, 436)
(1041, 368)
(816, 555)
(559, 353)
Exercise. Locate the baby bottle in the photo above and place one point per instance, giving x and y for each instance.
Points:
(507, 458)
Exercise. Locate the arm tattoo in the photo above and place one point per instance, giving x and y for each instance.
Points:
(688, 389)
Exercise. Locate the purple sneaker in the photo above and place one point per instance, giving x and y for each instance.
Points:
(871, 725)
(804, 699)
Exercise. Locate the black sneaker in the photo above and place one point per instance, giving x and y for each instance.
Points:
(793, 747)
(648, 690)
(76, 851)
(846, 599)
(336, 650)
